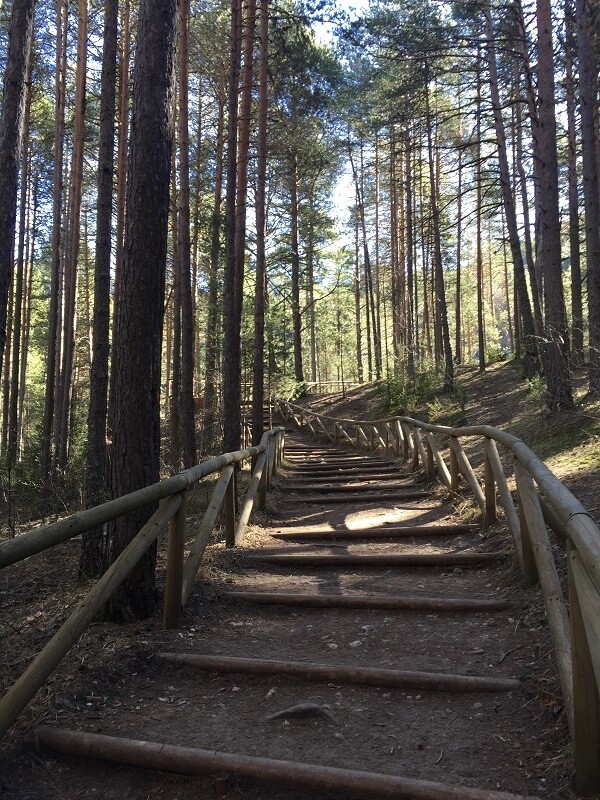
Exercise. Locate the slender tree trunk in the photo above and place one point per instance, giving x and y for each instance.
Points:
(175, 359)
(558, 377)
(440, 291)
(295, 255)
(32, 228)
(479, 245)
(57, 194)
(529, 255)
(232, 394)
(574, 250)
(458, 339)
(123, 137)
(92, 552)
(135, 461)
(258, 376)
(531, 364)
(410, 267)
(72, 251)
(11, 142)
(19, 279)
(186, 398)
(212, 319)
(588, 102)
(357, 315)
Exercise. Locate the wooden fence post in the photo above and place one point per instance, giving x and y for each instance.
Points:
(585, 645)
(489, 486)
(530, 573)
(229, 506)
(454, 472)
(414, 465)
(405, 441)
(429, 460)
(174, 576)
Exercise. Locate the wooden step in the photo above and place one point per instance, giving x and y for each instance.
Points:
(381, 560)
(366, 497)
(192, 761)
(345, 487)
(340, 673)
(404, 531)
(372, 601)
(351, 477)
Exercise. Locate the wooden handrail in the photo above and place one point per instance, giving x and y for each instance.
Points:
(179, 578)
(577, 646)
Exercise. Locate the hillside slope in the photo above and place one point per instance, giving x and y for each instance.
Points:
(568, 443)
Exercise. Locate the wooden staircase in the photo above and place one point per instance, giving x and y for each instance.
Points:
(355, 540)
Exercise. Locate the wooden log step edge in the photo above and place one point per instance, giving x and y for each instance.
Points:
(321, 487)
(367, 497)
(192, 761)
(389, 560)
(377, 533)
(387, 602)
(340, 673)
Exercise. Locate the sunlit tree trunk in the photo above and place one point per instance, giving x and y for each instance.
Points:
(11, 142)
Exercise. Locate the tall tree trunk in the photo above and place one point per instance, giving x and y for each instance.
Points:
(175, 357)
(11, 142)
(479, 245)
(57, 195)
(91, 562)
(295, 256)
(258, 376)
(30, 259)
(588, 101)
(574, 250)
(232, 393)
(458, 318)
(135, 460)
(73, 238)
(410, 266)
(558, 375)
(531, 364)
(357, 319)
(212, 315)
(529, 254)
(441, 307)
(186, 398)
(124, 59)
(19, 279)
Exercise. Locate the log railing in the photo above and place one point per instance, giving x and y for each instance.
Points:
(171, 494)
(542, 502)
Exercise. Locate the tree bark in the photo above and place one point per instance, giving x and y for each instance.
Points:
(531, 363)
(232, 394)
(19, 280)
(136, 450)
(441, 308)
(124, 59)
(295, 256)
(186, 397)
(558, 377)
(258, 377)
(72, 250)
(212, 319)
(588, 102)
(574, 249)
(11, 142)
(91, 562)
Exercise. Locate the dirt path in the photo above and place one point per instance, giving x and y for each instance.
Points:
(507, 741)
